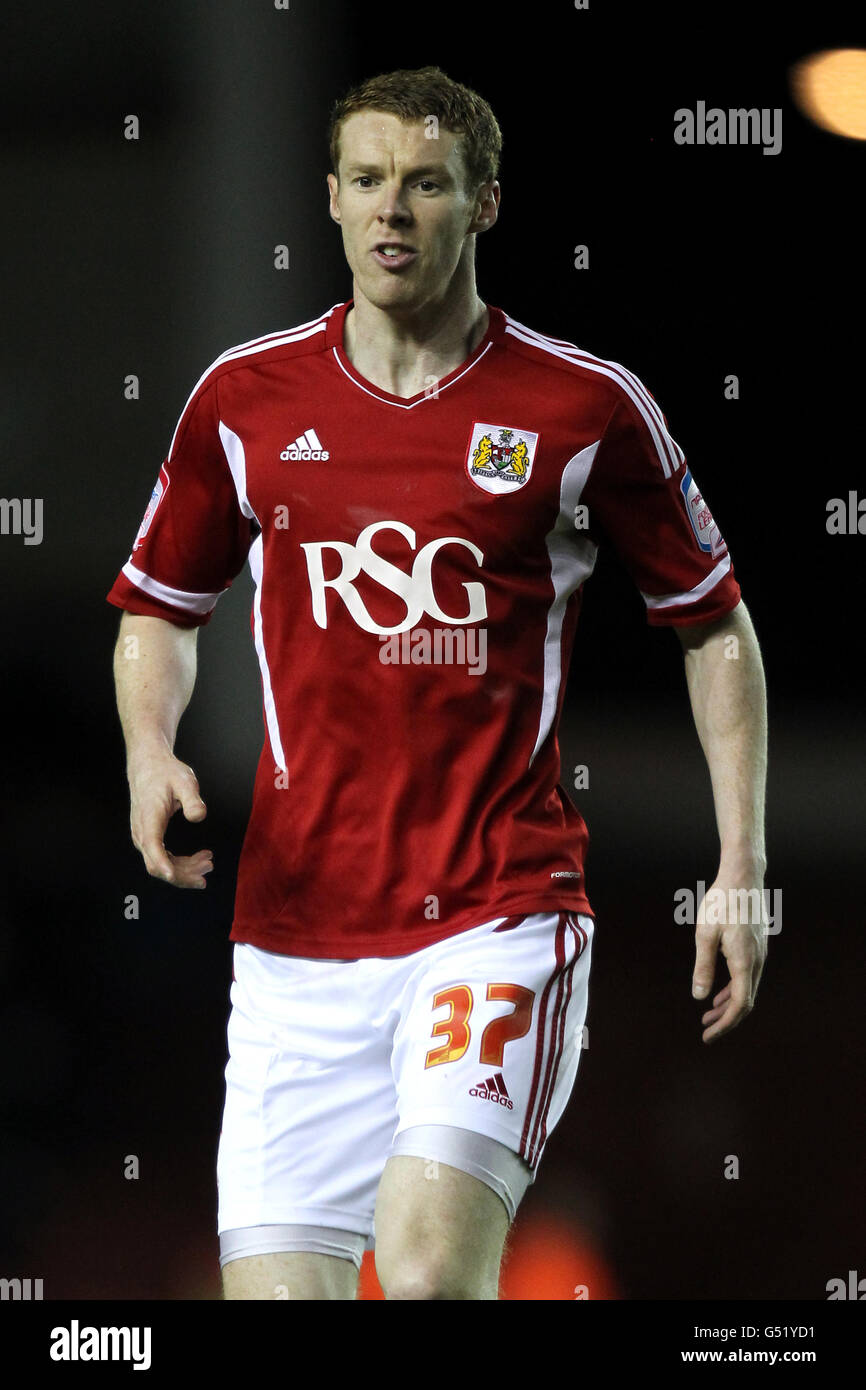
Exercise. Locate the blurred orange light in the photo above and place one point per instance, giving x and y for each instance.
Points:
(830, 88)
(553, 1260)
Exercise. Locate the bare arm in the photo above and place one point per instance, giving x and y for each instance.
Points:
(725, 678)
(154, 676)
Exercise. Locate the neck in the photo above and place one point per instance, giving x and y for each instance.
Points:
(406, 351)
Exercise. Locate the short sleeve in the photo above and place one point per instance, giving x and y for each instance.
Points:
(194, 537)
(644, 502)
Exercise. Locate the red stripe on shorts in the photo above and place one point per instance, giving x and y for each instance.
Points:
(580, 941)
(559, 946)
(563, 979)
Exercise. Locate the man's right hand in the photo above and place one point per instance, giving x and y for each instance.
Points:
(159, 786)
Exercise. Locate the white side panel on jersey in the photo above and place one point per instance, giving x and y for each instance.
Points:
(256, 562)
(690, 595)
(237, 461)
(572, 560)
(178, 598)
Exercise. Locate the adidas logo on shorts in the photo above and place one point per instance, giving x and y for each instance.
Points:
(494, 1089)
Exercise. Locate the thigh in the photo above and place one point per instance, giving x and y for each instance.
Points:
(282, 1261)
(440, 1232)
(290, 1275)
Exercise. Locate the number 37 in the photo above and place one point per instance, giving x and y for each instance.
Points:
(455, 1028)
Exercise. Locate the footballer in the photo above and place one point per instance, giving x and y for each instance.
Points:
(420, 485)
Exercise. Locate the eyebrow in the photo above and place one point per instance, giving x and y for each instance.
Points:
(440, 170)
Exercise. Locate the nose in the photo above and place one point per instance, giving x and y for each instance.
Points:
(394, 207)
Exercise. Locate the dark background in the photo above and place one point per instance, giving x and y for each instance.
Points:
(151, 257)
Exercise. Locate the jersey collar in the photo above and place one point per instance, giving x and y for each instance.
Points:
(334, 342)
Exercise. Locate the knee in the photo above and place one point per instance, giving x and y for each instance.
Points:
(427, 1277)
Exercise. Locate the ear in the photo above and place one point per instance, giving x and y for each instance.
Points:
(487, 207)
(333, 192)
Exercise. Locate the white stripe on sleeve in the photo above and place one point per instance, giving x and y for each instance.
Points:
(177, 598)
(690, 595)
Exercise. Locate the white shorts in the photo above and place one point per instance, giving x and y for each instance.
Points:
(464, 1052)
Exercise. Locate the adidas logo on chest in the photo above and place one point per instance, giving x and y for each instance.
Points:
(307, 446)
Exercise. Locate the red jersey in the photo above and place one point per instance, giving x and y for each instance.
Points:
(418, 567)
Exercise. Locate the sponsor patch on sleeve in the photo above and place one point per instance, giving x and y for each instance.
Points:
(707, 533)
(156, 497)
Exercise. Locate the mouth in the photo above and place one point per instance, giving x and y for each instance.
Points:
(393, 255)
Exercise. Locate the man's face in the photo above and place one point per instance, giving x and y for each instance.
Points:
(400, 188)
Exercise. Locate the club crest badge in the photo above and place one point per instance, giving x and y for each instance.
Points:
(500, 457)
